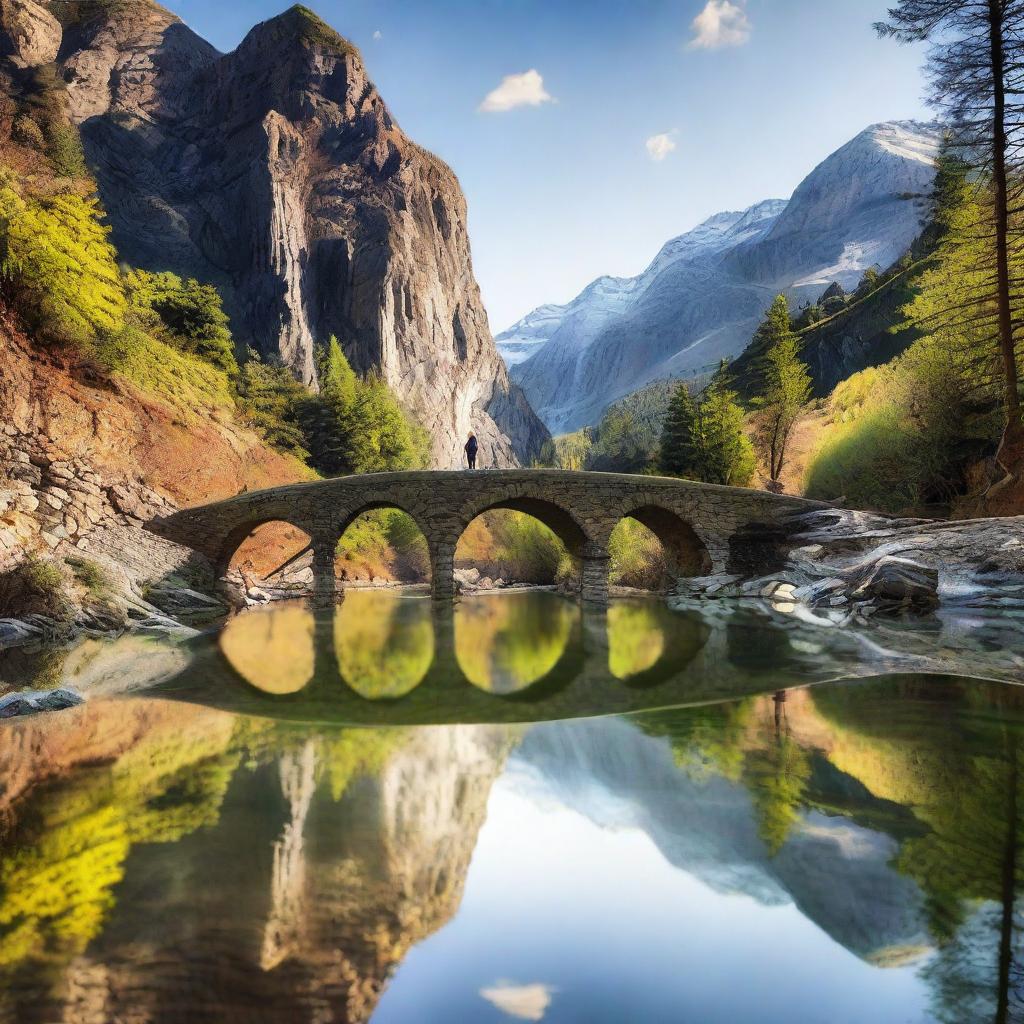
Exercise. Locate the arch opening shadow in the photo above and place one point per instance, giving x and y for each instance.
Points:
(682, 552)
(382, 542)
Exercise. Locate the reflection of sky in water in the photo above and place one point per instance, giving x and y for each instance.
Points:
(566, 919)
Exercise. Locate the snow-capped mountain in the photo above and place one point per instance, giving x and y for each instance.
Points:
(607, 297)
(702, 296)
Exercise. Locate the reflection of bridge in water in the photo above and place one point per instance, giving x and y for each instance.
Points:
(702, 527)
(533, 657)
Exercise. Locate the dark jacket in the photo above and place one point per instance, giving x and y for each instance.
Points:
(471, 446)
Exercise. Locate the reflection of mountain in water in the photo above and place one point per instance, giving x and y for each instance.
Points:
(837, 872)
(160, 863)
(324, 861)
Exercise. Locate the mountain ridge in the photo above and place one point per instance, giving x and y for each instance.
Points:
(860, 207)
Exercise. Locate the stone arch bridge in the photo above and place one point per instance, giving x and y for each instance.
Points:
(703, 528)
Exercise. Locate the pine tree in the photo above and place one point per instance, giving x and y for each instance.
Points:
(677, 449)
(977, 80)
(724, 454)
(785, 389)
(57, 267)
(272, 400)
(358, 426)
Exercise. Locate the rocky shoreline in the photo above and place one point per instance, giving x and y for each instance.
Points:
(856, 564)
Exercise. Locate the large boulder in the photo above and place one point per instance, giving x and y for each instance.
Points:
(29, 34)
(15, 705)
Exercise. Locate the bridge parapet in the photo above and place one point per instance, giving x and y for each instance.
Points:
(703, 527)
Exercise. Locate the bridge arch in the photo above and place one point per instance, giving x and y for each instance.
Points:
(685, 552)
(561, 522)
(409, 511)
(236, 538)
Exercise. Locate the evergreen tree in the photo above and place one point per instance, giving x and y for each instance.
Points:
(358, 426)
(190, 311)
(677, 448)
(723, 452)
(785, 389)
(977, 81)
(272, 399)
(57, 268)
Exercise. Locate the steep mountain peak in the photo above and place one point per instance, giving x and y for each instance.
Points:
(609, 297)
(702, 296)
(909, 140)
(276, 173)
(298, 24)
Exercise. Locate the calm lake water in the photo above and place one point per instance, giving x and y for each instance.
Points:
(519, 811)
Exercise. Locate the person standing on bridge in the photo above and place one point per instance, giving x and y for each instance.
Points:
(471, 450)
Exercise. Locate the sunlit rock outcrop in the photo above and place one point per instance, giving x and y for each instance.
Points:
(277, 173)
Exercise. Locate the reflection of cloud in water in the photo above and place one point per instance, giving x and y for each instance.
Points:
(384, 642)
(525, 1002)
(506, 642)
(272, 649)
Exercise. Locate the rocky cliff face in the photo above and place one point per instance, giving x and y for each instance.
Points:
(701, 298)
(277, 173)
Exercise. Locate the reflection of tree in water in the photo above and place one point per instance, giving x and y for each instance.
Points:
(953, 754)
(505, 642)
(65, 855)
(947, 755)
(271, 648)
(706, 740)
(68, 854)
(776, 773)
(384, 642)
(636, 638)
(744, 741)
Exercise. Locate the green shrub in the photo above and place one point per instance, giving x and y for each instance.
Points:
(64, 148)
(161, 369)
(272, 400)
(191, 314)
(899, 434)
(26, 132)
(637, 557)
(35, 587)
(92, 576)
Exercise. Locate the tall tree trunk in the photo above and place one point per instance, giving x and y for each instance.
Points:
(1011, 449)
(1009, 889)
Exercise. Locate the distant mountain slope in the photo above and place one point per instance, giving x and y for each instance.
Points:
(602, 300)
(869, 331)
(702, 297)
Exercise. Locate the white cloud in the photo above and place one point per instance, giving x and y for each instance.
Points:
(524, 1002)
(659, 146)
(378, 34)
(525, 90)
(721, 23)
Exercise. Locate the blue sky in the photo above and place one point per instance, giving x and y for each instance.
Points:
(568, 188)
